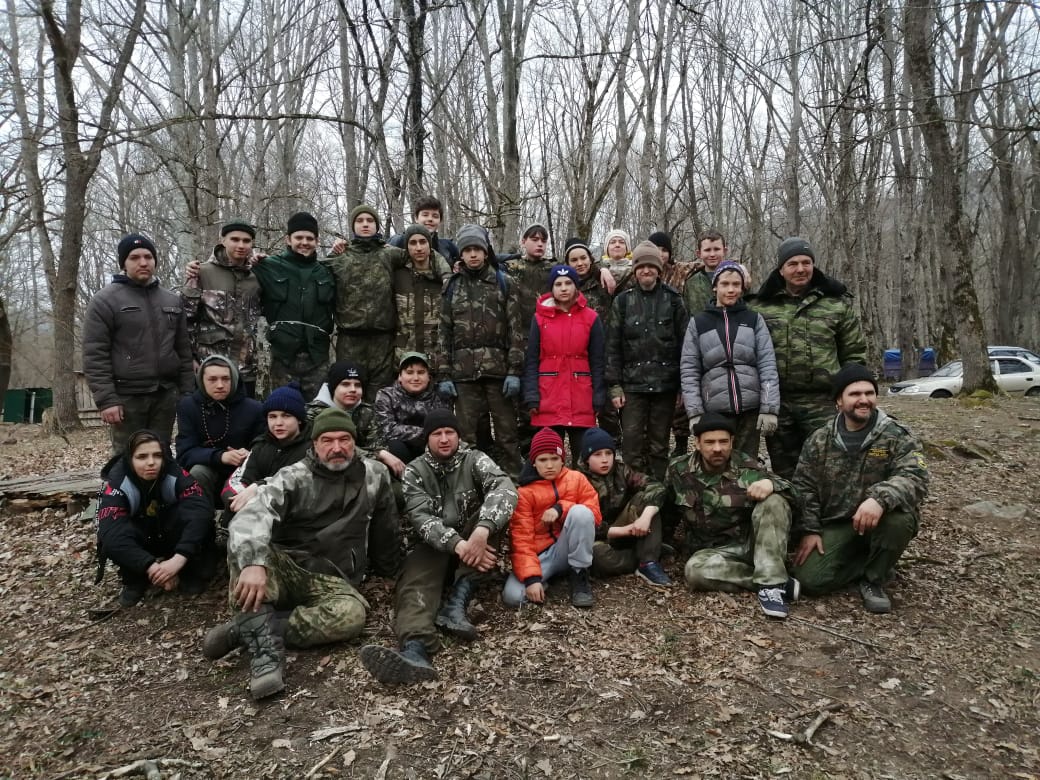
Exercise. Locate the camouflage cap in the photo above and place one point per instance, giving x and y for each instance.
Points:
(413, 357)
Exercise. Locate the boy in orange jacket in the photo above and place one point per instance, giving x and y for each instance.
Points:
(553, 527)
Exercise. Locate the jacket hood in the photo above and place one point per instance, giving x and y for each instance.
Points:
(220, 257)
(218, 360)
(774, 285)
(119, 467)
(714, 308)
(530, 474)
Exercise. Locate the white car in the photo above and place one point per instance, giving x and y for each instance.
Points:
(1014, 375)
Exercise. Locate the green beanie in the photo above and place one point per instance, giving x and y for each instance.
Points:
(364, 208)
(332, 420)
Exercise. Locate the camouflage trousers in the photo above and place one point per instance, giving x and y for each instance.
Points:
(373, 350)
(646, 421)
(155, 411)
(324, 608)
(420, 589)
(478, 399)
(799, 416)
(751, 563)
(848, 557)
(300, 369)
(622, 556)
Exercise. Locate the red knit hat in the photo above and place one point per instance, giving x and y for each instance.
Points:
(546, 441)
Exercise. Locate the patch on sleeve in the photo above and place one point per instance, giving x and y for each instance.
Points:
(878, 452)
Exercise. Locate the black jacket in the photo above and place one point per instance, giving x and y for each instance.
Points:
(206, 428)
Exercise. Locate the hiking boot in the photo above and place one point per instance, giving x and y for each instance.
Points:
(452, 615)
(874, 598)
(771, 599)
(267, 664)
(581, 590)
(221, 640)
(410, 664)
(792, 590)
(130, 595)
(652, 572)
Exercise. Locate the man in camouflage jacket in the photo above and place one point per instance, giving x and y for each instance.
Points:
(737, 517)
(298, 550)
(862, 479)
(644, 341)
(222, 303)
(457, 502)
(417, 293)
(815, 331)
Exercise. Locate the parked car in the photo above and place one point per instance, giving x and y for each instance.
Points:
(1014, 375)
(1022, 352)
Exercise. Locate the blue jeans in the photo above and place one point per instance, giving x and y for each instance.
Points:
(572, 550)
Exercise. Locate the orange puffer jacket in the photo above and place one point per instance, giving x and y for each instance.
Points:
(528, 534)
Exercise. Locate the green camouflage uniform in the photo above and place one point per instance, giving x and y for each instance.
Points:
(298, 296)
(318, 532)
(482, 344)
(833, 482)
(366, 320)
(698, 292)
(739, 544)
(223, 305)
(623, 495)
(418, 298)
(813, 336)
(444, 502)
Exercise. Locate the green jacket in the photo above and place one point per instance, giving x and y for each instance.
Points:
(620, 488)
(531, 280)
(418, 298)
(814, 335)
(644, 340)
(298, 297)
(698, 293)
(365, 285)
(715, 507)
(833, 482)
(446, 500)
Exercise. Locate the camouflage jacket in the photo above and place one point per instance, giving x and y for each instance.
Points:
(676, 274)
(622, 271)
(298, 298)
(364, 416)
(223, 305)
(330, 522)
(480, 327)
(715, 507)
(446, 500)
(697, 294)
(644, 340)
(418, 298)
(622, 487)
(530, 277)
(833, 482)
(364, 284)
(400, 415)
(813, 336)
(595, 294)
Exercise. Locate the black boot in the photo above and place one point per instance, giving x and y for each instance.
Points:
(410, 664)
(259, 633)
(581, 590)
(452, 615)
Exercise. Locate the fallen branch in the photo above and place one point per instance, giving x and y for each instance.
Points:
(149, 767)
(805, 738)
(835, 632)
(314, 769)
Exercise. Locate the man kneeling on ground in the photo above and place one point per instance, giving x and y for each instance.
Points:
(862, 480)
(458, 501)
(737, 517)
(299, 548)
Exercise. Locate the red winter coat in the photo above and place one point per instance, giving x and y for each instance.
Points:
(564, 373)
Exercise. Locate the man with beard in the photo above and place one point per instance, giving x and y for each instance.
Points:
(298, 550)
(861, 479)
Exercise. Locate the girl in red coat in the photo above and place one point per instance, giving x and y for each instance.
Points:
(564, 384)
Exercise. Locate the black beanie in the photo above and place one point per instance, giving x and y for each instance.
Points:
(238, 224)
(662, 240)
(848, 374)
(134, 241)
(343, 369)
(594, 440)
(789, 247)
(301, 220)
(713, 421)
(437, 419)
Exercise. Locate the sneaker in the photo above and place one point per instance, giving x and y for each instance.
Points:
(652, 572)
(130, 595)
(792, 590)
(771, 598)
(581, 590)
(874, 598)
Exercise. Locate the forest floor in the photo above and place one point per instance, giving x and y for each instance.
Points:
(647, 683)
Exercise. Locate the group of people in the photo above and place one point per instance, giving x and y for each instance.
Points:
(503, 363)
